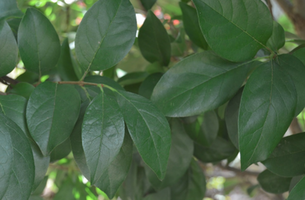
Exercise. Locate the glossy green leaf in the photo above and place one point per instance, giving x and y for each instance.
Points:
(180, 157)
(153, 40)
(287, 159)
(61, 151)
(23, 89)
(148, 128)
(148, 4)
(102, 134)
(198, 83)
(231, 117)
(8, 8)
(219, 150)
(65, 65)
(235, 30)
(6, 155)
(8, 49)
(160, 195)
(277, 39)
(117, 171)
(22, 169)
(298, 191)
(191, 25)
(148, 85)
(105, 35)
(191, 186)
(38, 42)
(267, 107)
(205, 129)
(273, 183)
(296, 70)
(47, 111)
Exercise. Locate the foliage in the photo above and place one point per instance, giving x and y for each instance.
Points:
(216, 79)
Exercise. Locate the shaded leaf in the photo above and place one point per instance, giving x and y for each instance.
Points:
(23, 89)
(273, 183)
(277, 39)
(298, 191)
(102, 134)
(61, 151)
(180, 157)
(198, 83)
(267, 107)
(160, 195)
(8, 8)
(105, 35)
(148, 128)
(117, 171)
(191, 25)
(8, 49)
(148, 85)
(38, 42)
(132, 78)
(47, 108)
(287, 159)
(235, 30)
(153, 40)
(148, 4)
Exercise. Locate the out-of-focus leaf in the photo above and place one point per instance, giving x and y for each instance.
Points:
(8, 8)
(277, 39)
(148, 4)
(273, 183)
(148, 85)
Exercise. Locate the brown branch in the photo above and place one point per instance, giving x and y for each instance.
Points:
(299, 7)
(80, 83)
(2, 93)
(287, 6)
(270, 7)
(8, 81)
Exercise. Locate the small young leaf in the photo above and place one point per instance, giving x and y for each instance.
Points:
(191, 25)
(8, 8)
(180, 157)
(287, 159)
(117, 171)
(102, 134)
(191, 186)
(148, 128)
(8, 49)
(266, 110)
(38, 42)
(105, 35)
(198, 83)
(47, 111)
(298, 191)
(219, 150)
(235, 30)
(153, 40)
(273, 183)
(22, 169)
(277, 39)
(205, 129)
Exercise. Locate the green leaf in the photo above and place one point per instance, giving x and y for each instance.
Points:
(8, 49)
(235, 30)
(191, 186)
(191, 25)
(296, 69)
(267, 107)
(38, 42)
(61, 151)
(198, 83)
(205, 129)
(8, 8)
(65, 191)
(273, 183)
(153, 40)
(65, 65)
(148, 128)
(47, 111)
(103, 80)
(132, 78)
(6, 155)
(299, 53)
(148, 85)
(287, 159)
(298, 191)
(277, 39)
(219, 150)
(23, 89)
(231, 117)
(29, 77)
(102, 134)
(160, 195)
(105, 35)
(22, 169)
(180, 157)
(148, 4)
(117, 171)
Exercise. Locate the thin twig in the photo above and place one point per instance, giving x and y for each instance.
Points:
(80, 83)
(270, 7)
(8, 81)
